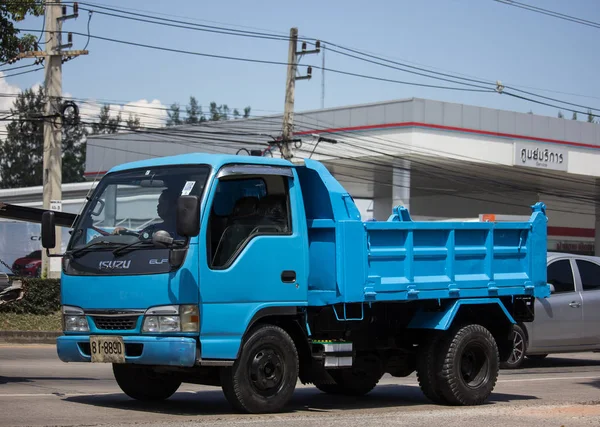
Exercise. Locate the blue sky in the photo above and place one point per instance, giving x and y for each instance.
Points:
(481, 38)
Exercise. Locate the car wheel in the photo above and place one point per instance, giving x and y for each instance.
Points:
(519, 347)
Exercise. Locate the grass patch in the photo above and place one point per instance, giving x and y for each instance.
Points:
(30, 322)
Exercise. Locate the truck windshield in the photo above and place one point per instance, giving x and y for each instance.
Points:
(136, 203)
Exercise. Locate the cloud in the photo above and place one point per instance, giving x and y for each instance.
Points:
(152, 113)
(7, 98)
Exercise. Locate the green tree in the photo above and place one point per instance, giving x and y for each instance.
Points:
(174, 115)
(105, 123)
(590, 117)
(133, 122)
(561, 115)
(246, 112)
(214, 112)
(21, 152)
(194, 112)
(574, 116)
(11, 42)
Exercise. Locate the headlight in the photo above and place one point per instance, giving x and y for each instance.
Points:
(30, 265)
(171, 318)
(74, 319)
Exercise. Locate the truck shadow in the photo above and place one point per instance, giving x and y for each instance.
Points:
(212, 402)
(6, 380)
(553, 364)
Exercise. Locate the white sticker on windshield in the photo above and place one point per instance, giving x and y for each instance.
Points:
(187, 188)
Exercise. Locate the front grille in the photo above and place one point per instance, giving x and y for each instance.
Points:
(123, 323)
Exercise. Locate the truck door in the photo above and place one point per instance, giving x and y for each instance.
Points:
(589, 273)
(255, 259)
(558, 319)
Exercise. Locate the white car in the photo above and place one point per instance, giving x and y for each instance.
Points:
(567, 321)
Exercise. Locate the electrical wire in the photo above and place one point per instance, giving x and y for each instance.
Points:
(21, 73)
(549, 12)
(17, 68)
(329, 43)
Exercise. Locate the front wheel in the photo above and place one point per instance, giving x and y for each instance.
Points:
(469, 365)
(142, 383)
(519, 347)
(263, 378)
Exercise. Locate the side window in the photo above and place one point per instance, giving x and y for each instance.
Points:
(242, 209)
(590, 275)
(560, 274)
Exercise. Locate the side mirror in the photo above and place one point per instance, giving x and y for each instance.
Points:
(552, 288)
(188, 216)
(48, 230)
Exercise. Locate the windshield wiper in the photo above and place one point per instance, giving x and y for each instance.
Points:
(123, 249)
(89, 246)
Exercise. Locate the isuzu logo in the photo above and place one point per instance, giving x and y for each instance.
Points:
(114, 265)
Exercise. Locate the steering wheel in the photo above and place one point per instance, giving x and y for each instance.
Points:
(99, 230)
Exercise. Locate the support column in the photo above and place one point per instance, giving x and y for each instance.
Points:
(401, 181)
(397, 194)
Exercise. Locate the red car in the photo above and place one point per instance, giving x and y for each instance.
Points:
(28, 266)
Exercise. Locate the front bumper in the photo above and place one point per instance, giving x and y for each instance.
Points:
(162, 351)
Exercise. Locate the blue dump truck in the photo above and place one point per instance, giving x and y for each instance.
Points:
(251, 273)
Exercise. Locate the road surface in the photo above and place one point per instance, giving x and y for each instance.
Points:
(36, 389)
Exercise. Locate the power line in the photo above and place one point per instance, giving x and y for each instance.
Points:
(270, 62)
(22, 72)
(549, 12)
(18, 68)
(278, 37)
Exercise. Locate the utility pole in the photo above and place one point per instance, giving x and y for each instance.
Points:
(290, 85)
(54, 14)
(52, 124)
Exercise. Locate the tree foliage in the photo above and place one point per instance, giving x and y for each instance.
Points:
(21, 152)
(195, 115)
(106, 123)
(11, 41)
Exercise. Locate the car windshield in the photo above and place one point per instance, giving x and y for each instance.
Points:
(137, 203)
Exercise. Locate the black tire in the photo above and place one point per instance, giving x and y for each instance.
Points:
(329, 388)
(469, 365)
(360, 379)
(141, 383)
(428, 368)
(537, 356)
(263, 378)
(519, 347)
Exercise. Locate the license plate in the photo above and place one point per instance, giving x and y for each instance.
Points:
(105, 349)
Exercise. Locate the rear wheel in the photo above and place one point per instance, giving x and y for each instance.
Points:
(263, 378)
(469, 365)
(142, 383)
(428, 367)
(519, 347)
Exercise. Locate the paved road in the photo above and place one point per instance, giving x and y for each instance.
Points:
(36, 389)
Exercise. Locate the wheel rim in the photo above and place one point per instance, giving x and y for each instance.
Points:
(474, 365)
(267, 370)
(518, 348)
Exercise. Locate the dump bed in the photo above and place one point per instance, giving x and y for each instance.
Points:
(400, 259)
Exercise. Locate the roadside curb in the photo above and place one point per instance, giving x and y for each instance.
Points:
(28, 337)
